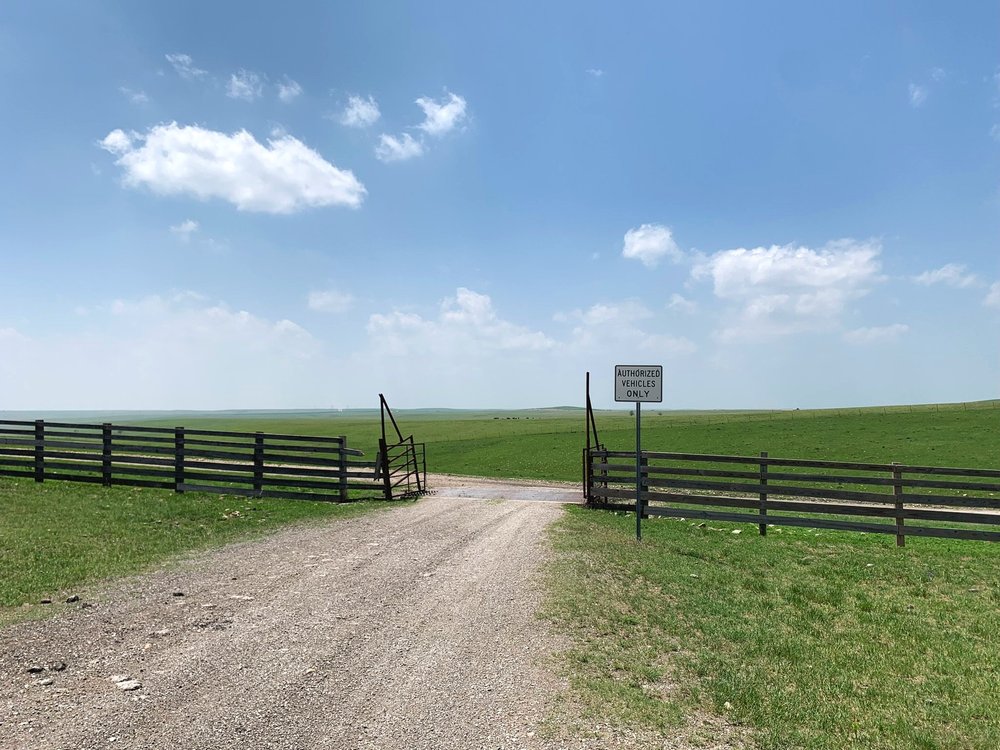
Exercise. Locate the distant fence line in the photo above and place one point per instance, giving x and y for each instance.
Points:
(255, 464)
(891, 498)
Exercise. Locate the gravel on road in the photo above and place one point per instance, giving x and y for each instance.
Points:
(409, 628)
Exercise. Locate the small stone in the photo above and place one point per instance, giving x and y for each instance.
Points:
(86, 605)
(737, 531)
(178, 593)
(45, 681)
(119, 677)
(128, 685)
(45, 601)
(56, 666)
(241, 597)
(694, 575)
(35, 669)
(160, 633)
(72, 599)
(728, 706)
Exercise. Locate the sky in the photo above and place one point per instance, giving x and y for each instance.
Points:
(246, 206)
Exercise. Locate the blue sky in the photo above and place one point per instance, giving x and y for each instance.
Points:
(237, 205)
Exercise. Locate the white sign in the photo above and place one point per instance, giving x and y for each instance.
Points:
(639, 383)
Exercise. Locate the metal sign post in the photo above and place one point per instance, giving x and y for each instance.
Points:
(639, 383)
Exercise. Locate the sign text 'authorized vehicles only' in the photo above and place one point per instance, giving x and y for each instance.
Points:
(639, 383)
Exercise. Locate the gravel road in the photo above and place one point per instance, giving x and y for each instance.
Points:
(410, 628)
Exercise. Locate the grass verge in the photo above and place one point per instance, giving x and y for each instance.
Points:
(835, 640)
(56, 537)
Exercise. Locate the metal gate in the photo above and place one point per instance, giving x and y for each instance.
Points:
(402, 465)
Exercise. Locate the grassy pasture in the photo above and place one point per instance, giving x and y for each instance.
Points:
(828, 640)
(56, 537)
(547, 443)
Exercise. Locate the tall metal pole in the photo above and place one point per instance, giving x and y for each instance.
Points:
(638, 471)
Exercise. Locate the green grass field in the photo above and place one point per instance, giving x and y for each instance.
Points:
(547, 443)
(57, 537)
(831, 640)
(811, 640)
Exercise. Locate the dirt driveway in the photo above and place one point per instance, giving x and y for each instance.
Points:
(411, 628)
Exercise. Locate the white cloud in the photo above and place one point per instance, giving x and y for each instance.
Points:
(288, 90)
(441, 117)
(245, 85)
(166, 351)
(136, 97)
(616, 329)
(993, 296)
(11, 334)
(185, 229)
(650, 243)
(360, 112)
(876, 334)
(595, 72)
(282, 177)
(938, 74)
(951, 274)
(918, 94)
(330, 301)
(391, 148)
(682, 304)
(467, 326)
(184, 66)
(995, 132)
(786, 289)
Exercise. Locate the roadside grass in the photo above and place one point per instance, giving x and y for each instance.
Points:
(56, 537)
(810, 640)
(547, 443)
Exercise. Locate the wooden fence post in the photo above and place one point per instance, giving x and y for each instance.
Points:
(644, 487)
(39, 450)
(106, 454)
(762, 526)
(343, 468)
(897, 491)
(258, 463)
(178, 459)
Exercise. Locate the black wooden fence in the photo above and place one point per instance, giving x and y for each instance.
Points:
(878, 498)
(256, 464)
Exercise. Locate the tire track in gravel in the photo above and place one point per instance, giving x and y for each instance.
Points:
(410, 628)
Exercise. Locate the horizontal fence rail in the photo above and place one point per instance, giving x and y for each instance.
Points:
(893, 499)
(255, 464)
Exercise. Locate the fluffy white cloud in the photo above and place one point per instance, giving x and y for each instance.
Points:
(330, 301)
(282, 177)
(245, 85)
(184, 66)
(185, 229)
(288, 90)
(650, 243)
(786, 289)
(617, 330)
(595, 72)
(390, 148)
(467, 325)
(993, 296)
(951, 274)
(918, 94)
(680, 303)
(441, 117)
(876, 334)
(136, 97)
(360, 112)
(165, 351)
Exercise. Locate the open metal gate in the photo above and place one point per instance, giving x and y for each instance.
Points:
(401, 465)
